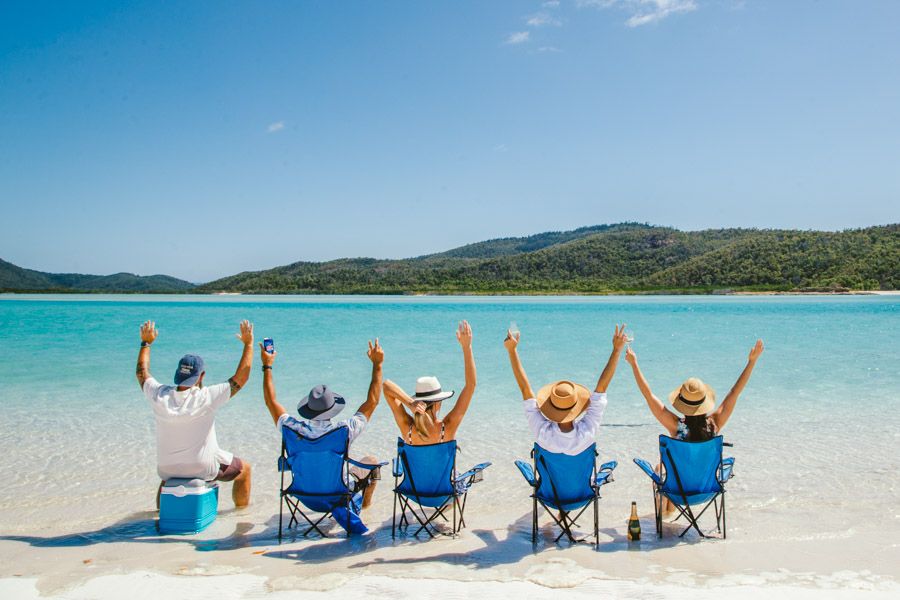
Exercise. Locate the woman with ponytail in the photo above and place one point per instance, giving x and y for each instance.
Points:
(423, 424)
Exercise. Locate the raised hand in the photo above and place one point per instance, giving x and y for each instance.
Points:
(375, 353)
(756, 351)
(266, 358)
(464, 334)
(419, 407)
(246, 334)
(619, 338)
(630, 356)
(149, 332)
(511, 341)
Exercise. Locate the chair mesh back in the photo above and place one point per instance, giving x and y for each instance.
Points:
(317, 465)
(571, 476)
(697, 463)
(429, 468)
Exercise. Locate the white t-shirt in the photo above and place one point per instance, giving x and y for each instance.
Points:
(186, 444)
(549, 436)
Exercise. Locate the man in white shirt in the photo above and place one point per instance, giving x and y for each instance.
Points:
(186, 444)
(564, 417)
(319, 407)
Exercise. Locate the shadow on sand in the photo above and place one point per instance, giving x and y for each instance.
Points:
(141, 528)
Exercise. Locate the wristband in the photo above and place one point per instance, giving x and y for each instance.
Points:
(145, 344)
(267, 367)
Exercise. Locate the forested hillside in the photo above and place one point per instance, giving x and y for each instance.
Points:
(609, 258)
(14, 278)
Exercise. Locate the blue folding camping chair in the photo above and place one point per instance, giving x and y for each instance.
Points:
(693, 474)
(563, 484)
(321, 480)
(426, 476)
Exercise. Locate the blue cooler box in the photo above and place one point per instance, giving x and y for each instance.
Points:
(187, 505)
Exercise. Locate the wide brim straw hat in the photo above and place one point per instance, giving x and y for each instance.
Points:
(693, 397)
(563, 401)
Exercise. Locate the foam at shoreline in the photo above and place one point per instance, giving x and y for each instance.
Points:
(150, 586)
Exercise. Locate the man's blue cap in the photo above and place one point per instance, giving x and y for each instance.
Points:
(190, 367)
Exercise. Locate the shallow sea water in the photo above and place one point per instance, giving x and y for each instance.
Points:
(815, 432)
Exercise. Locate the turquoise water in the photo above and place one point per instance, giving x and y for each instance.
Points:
(824, 398)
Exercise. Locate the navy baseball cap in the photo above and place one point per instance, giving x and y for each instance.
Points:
(190, 367)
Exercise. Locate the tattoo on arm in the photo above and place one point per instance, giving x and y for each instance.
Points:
(142, 373)
(235, 386)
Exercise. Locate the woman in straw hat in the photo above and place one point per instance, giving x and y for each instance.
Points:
(696, 401)
(422, 425)
(564, 416)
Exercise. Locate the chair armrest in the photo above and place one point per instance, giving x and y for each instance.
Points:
(397, 470)
(283, 465)
(527, 472)
(727, 470)
(605, 473)
(368, 466)
(472, 472)
(646, 468)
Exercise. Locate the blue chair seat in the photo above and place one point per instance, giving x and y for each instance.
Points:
(425, 477)
(693, 474)
(564, 483)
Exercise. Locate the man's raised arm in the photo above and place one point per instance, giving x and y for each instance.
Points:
(376, 355)
(242, 373)
(148, 336)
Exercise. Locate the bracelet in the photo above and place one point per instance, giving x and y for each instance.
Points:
(267, 367)
(145, 344)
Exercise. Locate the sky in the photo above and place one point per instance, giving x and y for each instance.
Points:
(201, 139)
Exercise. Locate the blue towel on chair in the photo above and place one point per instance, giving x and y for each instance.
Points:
(351, 523)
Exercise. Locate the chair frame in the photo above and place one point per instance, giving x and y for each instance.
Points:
(455, 500)
(717, 501)
(565, 521)
(293, 503)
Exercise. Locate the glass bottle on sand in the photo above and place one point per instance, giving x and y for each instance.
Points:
(634, 524)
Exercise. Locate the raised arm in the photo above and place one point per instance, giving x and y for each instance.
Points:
(242, 373)
(723, 413)
(609, 370)
(376, 355)
(666, 418)
(148, 336)
(396, 399)
(268, 360)
(512, 342)
(455, 416)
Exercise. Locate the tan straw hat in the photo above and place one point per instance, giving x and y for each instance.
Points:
(693, 397)
(563, 401)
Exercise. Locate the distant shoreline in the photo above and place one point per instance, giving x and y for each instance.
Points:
(462, 293)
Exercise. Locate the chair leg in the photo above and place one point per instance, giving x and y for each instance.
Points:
(596, 526)
(454, 516)
(534, 521)
(724, 527)
(394, 519)
(280, 515)
(657, 513)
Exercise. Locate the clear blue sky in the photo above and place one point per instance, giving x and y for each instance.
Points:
(199, 139)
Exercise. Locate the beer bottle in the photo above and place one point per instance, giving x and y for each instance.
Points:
(634, 524)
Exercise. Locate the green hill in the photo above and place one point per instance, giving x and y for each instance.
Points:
(609, 258)
(14, 278)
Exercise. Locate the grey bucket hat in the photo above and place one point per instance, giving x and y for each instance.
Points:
(321, 404)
